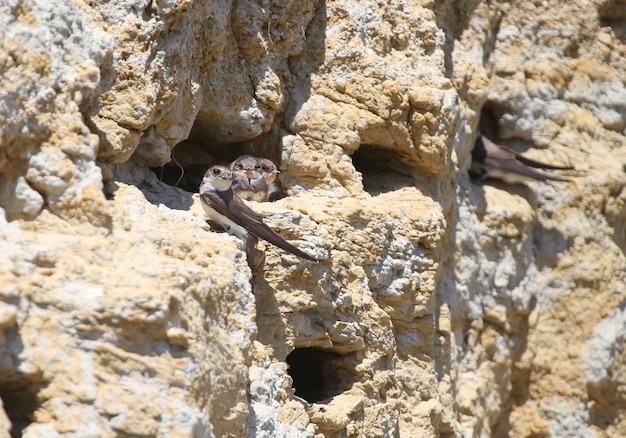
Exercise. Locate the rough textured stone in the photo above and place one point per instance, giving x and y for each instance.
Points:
(439, 307)
(54, 60)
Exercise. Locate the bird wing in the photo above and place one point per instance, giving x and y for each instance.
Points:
(539, 164)
(216, 201)
(497, 151)
(237, 211)
(259, 185)
(507, 160)
(240, 182)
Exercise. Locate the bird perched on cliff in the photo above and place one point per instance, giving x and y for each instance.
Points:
(492, 161)
(223, 206)
(252, 177)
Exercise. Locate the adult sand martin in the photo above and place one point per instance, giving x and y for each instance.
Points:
(492, 161)
(226, 208)
(252, 177)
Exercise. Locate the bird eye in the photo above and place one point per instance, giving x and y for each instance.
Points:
(216, 171)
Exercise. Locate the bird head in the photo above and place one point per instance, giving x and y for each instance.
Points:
(219, 177)
(268, 169)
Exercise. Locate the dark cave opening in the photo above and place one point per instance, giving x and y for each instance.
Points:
(20, 401)
(612, 14)
(319, 374)
(383, 170)
(193, 156)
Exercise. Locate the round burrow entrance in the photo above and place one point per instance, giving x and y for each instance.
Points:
(319, 374)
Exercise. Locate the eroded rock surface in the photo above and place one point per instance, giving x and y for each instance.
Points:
(439, 307)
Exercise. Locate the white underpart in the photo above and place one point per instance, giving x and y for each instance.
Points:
(232, 227)
(213, 183)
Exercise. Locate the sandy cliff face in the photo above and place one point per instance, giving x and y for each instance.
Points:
(439, 307)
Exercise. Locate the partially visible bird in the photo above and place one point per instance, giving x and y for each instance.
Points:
(252, 177)
(223, 206)
(490, 160)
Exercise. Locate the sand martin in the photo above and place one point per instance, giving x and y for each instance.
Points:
(223, 206)
(252, 177)
(492, 161)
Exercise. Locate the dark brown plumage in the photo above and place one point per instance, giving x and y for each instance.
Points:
(225, 207)
(252, 177)
(490, 160)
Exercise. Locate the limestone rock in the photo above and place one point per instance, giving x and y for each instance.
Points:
(439, 307)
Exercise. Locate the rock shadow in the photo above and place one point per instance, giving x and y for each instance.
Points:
(458, 301)
(319, 374)
(453, 18)
(19, 391)
(193, 156)
(612, 13)
(607, 398)
(383, 170)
